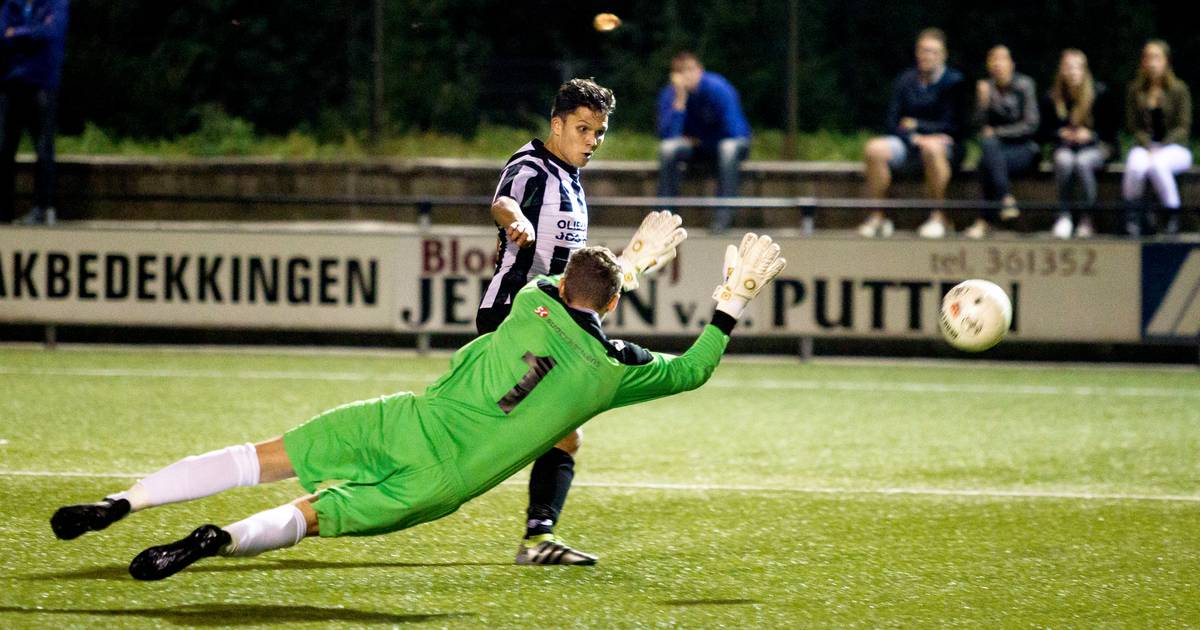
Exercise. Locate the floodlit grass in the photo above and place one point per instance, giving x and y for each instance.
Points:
(778, 495)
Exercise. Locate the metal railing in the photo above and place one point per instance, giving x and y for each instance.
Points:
(802, 203)
(806, 207)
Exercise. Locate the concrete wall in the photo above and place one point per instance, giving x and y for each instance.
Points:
(84, 181)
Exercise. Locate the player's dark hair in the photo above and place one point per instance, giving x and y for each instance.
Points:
(592, 277)
(578, 93)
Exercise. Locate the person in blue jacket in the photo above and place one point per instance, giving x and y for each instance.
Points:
(33, 35)
(700, 119)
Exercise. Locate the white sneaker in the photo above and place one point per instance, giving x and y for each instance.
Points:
(1062, 228)
(978, 230)
(1085, 229)
(1009, 209)
(933, 228)
(875, 227)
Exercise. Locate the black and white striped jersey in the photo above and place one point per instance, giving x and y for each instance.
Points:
(550, 195)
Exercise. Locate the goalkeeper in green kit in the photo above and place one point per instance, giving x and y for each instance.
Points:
(407, 459)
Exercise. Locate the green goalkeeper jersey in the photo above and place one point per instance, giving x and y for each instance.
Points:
(510, 395)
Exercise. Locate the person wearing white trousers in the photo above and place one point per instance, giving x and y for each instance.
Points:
(1158, 112)
(1159, 164)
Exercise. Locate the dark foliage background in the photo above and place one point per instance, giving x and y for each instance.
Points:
(145, 68)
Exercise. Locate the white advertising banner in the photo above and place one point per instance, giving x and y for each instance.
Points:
(202, 278)
(849, 287)
(401, 280)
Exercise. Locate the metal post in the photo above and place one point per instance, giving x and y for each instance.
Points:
(352, 21)
(424, 224)
(424, 216)
(808, 209)
(806, 349)
(377, 73)
(793, 80)
(51, 336)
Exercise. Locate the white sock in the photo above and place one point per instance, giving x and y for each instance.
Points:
(276, 528)
(195, 477)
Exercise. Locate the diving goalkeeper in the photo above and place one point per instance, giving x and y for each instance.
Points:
(409, 459)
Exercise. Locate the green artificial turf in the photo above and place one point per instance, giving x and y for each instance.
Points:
(780, 494)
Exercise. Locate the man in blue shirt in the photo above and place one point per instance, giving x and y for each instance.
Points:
(700, 119)
(924, 127)
(33, 37)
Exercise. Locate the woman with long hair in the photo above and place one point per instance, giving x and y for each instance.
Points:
(1081, 126)
(1158, 112)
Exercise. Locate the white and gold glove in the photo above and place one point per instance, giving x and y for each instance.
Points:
(748, 269)
(651, 248)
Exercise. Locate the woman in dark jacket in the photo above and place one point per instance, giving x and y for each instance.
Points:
(1158, 112)
(1006, 113)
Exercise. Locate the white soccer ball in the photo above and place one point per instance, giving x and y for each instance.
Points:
(975, 315)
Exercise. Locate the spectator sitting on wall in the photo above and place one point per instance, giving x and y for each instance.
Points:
(32, 42)
(1158, 112)
(923, 124)
(700, 119)
(1080, 124)
(1006, 114)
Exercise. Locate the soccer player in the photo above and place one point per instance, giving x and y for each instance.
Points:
(542, 216)
(539, 205)
(409, 459)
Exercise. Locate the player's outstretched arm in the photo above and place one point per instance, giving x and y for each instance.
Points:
(651, 248)
(506, 212)
(747, 269)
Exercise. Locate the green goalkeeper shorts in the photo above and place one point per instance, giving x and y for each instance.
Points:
(392, 476)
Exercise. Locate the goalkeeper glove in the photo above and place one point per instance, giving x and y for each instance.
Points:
(748, 269)
(651, 248)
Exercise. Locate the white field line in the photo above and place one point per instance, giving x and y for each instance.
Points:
(71, 473)
(745, 359)
(942, 492)
(776, 384)
(262, 375)
(205, 349)
(962, 388)
(712, 487)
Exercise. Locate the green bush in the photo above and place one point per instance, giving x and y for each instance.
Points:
(220, 135)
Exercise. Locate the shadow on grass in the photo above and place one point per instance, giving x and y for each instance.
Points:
(709, 602)
(121, 572)
(243, 614)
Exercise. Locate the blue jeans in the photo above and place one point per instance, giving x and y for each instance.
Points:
(33, 108)
(1078, 165)
(1001, 160)
(674, 152)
